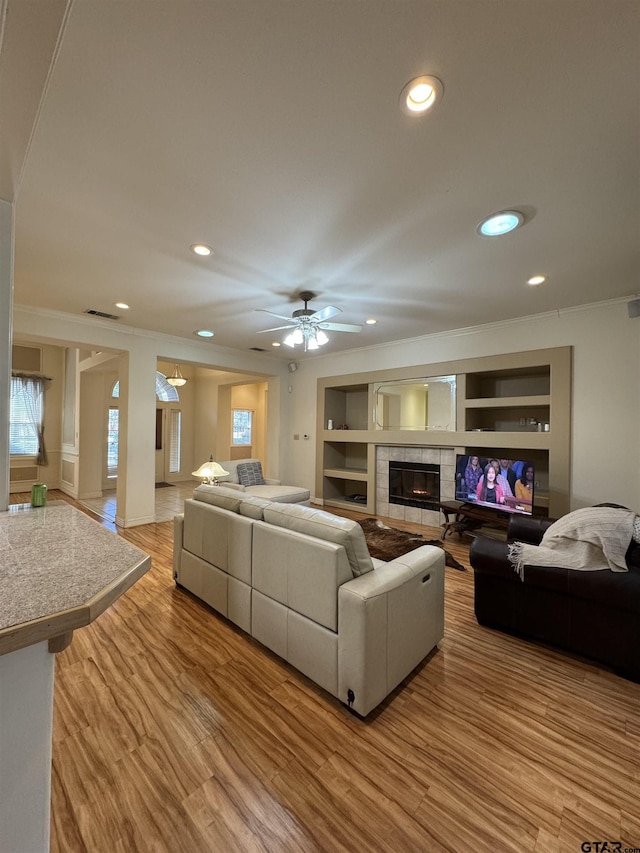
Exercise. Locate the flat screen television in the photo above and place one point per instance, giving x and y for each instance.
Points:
(510, 489)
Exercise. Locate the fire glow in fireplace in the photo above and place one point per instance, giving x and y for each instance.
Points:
(414, 484)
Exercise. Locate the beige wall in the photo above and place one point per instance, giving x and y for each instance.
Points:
(53, 367)
(605, 405)
(606, 392)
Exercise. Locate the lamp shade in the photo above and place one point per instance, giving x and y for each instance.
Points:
(210, 471)
(176, 377)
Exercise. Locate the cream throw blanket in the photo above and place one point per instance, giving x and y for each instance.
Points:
(588, 539)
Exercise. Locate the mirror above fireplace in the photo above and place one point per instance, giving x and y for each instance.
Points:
(416, 404)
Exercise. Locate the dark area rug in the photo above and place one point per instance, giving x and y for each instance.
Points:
(165, 486)
(387, 543)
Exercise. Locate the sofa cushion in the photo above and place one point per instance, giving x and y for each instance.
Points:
(280, 494)
(218, 496)
(323, 525)
(235, 487)
(253, 507)
(231, 466)
(250, 473)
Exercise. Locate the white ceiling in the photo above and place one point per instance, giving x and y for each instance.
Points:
(270, 129)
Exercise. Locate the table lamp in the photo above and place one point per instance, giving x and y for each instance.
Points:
(210, 472)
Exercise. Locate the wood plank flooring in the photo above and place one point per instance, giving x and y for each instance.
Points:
(174, 731)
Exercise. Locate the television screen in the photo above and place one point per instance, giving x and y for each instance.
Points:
(497, 483)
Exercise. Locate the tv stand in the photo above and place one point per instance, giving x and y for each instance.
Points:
(468, 517)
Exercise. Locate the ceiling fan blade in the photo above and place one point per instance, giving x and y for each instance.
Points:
(279, 316)
(325, 314)
(275, 329)
(340, 327)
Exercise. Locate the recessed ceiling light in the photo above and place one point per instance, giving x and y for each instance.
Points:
(204, 333)
(122, 305)
(275, 344)
(420, 94)
(201, 249)
(500, 223)
(370, 321)
(537, 279)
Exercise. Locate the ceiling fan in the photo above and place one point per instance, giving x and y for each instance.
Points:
(307, 326)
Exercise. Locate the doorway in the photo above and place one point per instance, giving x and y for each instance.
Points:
(168, 443)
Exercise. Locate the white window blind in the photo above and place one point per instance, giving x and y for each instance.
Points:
(175, 425)
(25, 407)
(242, 426)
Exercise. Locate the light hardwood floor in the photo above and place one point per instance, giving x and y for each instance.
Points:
(174, 731)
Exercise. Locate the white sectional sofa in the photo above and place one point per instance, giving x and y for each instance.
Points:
(270, 489)
(301, 581)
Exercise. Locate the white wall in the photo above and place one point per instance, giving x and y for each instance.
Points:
(92, 443)
(606, 390)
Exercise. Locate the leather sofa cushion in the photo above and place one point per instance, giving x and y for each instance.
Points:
(323, 525)
(218, 496)
(244, 503)
(279, 494)
(611, 589)
(253, 507)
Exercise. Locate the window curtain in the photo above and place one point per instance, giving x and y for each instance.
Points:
(32, 390)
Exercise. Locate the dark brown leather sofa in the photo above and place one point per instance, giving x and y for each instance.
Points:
(594, 614)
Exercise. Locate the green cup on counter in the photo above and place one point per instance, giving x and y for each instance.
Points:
(38, 494)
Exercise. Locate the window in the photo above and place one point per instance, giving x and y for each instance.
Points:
(112, 442)
(164, 392)
(167, 394)
(175, 425)
(26, 410)
(242, 426)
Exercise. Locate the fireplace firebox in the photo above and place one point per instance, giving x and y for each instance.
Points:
(414, 484)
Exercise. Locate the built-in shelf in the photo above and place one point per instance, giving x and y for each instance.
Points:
(508, 402)
(518, 404)
(347, 473)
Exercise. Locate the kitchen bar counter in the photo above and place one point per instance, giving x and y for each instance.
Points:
(59, 570)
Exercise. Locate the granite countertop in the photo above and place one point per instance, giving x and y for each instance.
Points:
(60, 570)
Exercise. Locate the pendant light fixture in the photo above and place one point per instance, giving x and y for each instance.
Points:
(176, 377)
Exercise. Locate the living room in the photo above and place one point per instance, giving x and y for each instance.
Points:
(173, 729)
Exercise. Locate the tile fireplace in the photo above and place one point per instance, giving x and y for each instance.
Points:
(438, 460)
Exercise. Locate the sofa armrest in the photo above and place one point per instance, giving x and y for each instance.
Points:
(178, 531)
(270, 482)
(488, 555)
(528, 528)
(388, 622)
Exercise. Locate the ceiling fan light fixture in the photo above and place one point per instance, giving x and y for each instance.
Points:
(306, 326)
(176, 378)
